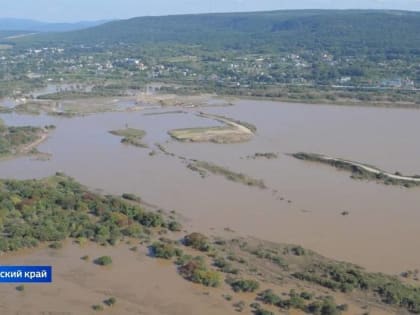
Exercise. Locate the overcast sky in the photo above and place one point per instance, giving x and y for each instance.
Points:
(77, 10)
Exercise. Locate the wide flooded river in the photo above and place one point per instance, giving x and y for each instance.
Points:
(381, 231)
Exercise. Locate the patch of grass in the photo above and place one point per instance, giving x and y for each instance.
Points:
(131, 136)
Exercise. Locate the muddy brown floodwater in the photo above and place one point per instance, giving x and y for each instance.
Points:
(380, 233)
(140, 284)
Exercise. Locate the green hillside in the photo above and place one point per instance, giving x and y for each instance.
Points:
(342, 32)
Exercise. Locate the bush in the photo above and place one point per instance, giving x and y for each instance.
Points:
(261, 311)
(165, 250)
(306, 295)
(196, 271)
(131, 197)
(269, 297)
(325, 307)
(111, 301)
(296, 301)
(197, 241)
(298, 251)
(97, 307)
(55, 245)
(151, 219)
(20, 288)
(241, 285)
(239, 306)
(225, 266)
(103, 261)
(174, 226)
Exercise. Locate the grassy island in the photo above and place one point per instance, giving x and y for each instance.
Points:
(131, 136)
(20, 140)
(232, 131)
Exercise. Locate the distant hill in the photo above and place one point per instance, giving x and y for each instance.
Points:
(11, 24)
(339, 31)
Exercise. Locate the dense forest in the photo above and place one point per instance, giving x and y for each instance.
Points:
(58, 207)
(384, 33)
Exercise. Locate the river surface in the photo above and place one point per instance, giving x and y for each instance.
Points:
(380, 233)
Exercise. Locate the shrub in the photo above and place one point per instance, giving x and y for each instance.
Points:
(165, 250)
(196, 271)
(151, 219)
(197, 241)
(174, 226)
(261, 311)
(183, 259)
(269, 297)
(298, 251)
(242, 285)
(103, 261)
(20, 288)
(306, 295)
(239, 306)
(296, 301)
(97, 307)
(111, 301)
(324, 307)
(133, 230)
(131, 197)
(343, 307)
(55, 245)
(225, 266)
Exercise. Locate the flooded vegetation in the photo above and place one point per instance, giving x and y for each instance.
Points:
(362, 171)
(130, 136)
(203, 210)
(295, 196)
(266, 155)
(203, 167)
(68, 210)
(237, 272)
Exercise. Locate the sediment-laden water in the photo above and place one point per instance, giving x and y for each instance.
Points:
(303, 202)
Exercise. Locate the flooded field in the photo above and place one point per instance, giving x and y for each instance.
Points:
(303, 202)
(140, 285)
